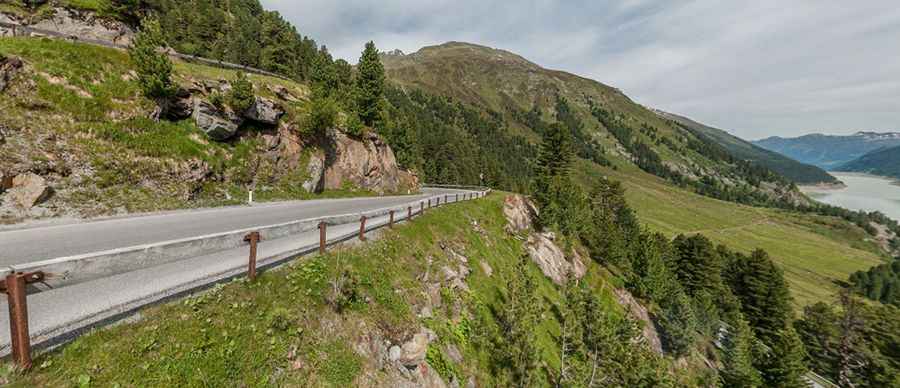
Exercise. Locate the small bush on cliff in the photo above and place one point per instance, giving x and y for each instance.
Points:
(322, 115)
(354, 127)
(241, 97)
(154, 68)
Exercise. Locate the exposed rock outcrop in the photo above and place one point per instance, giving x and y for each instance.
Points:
(315, 171)
(550, 258)
(639, 313)
(519, 212)
(28, 190)
(219, 124)
(264, 111)
(9, 68)
(368, 163)
(84, 25)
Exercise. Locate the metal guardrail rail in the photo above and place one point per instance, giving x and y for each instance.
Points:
(65, 271)
(26, 31)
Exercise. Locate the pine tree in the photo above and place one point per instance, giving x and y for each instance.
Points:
(763, 292)
(738, 370)
(678, 324)
(698, 265)
(369, 85)
(783, 366)
(571, 336)
(154, 68)
(517, 324)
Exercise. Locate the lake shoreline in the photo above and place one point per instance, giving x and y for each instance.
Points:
(866, 192)
(827, 187)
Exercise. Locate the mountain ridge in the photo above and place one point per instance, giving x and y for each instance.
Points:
(829, 151)
(883, 161)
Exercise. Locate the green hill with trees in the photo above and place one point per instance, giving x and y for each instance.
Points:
(705, 241)
(800, 173)
(884, 162)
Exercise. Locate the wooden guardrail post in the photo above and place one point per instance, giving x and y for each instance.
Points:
(253, 239)
(391, 220)
(421, 207)
(362, 228)
(322, 228)
(17, 297)
(409, 213)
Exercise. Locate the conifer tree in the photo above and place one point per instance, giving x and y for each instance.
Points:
(738, 370)
(783, 366)
(154, 68)
(369, 85)
(571, 336)
(241, 97)
(678, 324)
(765, 299)
(698, 265)
(518, 322)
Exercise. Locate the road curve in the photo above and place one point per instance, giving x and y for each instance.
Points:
(19, 246)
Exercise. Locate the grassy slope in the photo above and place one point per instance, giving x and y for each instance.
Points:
(77, 111)
(278, 331)
(814, 251)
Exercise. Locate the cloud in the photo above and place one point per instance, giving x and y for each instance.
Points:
(757, 68)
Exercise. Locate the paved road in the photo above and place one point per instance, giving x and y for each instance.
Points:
(49, 242)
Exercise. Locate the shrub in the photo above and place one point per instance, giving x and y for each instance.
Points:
(241, 97)
(354, 127)
(322, 115)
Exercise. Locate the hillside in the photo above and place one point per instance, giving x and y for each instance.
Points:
(74, 118)
(884, 162)
(829, 151)
(800, 173)
(610, 127)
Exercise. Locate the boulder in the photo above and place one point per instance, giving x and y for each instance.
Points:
(368, 163)
(181, 105)
(550, 258)
(219, 124)
(264, 111)
(520, 213)
(283, 93)
(413, 351)
(9, 67)
(315, 171)
(28, 190)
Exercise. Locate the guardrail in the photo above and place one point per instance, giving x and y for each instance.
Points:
(26, 31)
(67, 271)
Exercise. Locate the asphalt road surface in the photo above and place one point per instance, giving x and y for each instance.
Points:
(54, 241)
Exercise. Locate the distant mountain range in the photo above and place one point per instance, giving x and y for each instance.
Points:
(798, 172)
(884, 161)
(830, 151)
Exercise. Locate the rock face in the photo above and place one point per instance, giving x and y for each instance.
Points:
(86, 25)
(519, 212)
(316, 171)
(219, 124)
(181, 106)
(639, 312)
(369, 163)
(264, 111)
(9, 67)
(28, 190)
(549, 257)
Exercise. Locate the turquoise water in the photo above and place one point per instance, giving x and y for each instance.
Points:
(863, 192)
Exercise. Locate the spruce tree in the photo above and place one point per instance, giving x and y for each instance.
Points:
(738, 370)
(678, 324)
(572, 351)
(698, 265)
(764, 295)
(369, 85)
(517, 324)
(154, 68)
(784, 366)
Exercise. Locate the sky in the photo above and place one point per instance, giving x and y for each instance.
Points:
(755, 68)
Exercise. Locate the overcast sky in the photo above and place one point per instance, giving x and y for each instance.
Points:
(756, 68)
